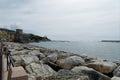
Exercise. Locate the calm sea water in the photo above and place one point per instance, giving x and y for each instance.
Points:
(103, 50)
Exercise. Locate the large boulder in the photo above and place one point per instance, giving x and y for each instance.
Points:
(115, 78)
(31, 76)
(36, 53)
(27, 59)
(50, 58)
(117, 72)
(70, 62)
(53, 57)
(93, 74)
(63, 55)
(102, 66)
(67, 75)
(30, 47)
(18, 60)
(21, 52)
(39, 69)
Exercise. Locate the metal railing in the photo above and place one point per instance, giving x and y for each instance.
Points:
(6, 64)
(0, 62)
(10, 61)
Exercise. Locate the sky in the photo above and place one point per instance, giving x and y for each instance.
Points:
(72, 20)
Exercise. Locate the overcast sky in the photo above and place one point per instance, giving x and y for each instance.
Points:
(64, 19)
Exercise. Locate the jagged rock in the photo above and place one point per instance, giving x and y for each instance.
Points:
(21, 52)
(70, 62)
(89, 59)
(31, 47)
(93, 74)
(31, 76)
(50, 58)
(34, 52)
(37, 53)
(53, 57)
(67, 75)
(115, 78)
(102, 66)
(18, 60)
(63, 55)
(29, 59)
(42, 70)
(117, 72)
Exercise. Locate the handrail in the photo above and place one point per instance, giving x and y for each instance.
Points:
(1, 60)
(10, 61)
(0, 63)
(6, 64)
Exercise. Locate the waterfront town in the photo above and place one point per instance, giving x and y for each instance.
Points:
(20, 36)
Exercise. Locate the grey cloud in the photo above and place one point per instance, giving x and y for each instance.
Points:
(11, 4)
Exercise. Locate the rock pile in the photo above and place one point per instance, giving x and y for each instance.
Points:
(46, 64)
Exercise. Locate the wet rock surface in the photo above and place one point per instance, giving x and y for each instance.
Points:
(46, 64)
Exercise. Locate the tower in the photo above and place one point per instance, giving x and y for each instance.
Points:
(19, 35)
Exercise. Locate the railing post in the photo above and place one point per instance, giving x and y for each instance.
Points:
(0, 65)
(4, 62)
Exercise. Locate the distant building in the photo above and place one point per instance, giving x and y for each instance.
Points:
(6, 34)
(26, 37)
(19, 35)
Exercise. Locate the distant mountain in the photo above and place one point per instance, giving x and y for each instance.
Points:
(110, 41)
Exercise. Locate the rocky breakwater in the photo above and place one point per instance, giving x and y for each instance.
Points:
(46, 64)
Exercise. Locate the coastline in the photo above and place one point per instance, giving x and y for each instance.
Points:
(117, 41)
(40, 62)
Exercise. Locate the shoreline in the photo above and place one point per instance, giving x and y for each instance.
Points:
(49, 64)
(117, 41)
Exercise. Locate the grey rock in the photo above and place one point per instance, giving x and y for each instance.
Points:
(27, 59)
(37, 53)
(34, 52)
(70, 62)
(102, 66)
(53, 57)
(67, 75)
(115, 78)
(40, 70)
(21, 52)
(18, 60)
(117, 72)
(93, 74)
(31, 76)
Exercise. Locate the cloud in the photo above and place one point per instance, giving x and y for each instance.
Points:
(63, 19)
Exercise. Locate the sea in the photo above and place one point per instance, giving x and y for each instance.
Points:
(103, 50)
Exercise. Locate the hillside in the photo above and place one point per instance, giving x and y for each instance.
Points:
(10, 35)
